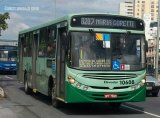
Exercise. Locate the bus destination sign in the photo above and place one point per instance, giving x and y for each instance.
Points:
(107, 22)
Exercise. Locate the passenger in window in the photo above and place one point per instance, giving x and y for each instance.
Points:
(40, 52)
(50, 49)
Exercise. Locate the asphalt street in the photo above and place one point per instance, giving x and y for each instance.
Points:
(17, 104)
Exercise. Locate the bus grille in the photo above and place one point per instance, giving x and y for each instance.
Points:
(122, 87)
(109, 76)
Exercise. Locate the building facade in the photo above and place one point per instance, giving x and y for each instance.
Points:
(139, 8)
(127, 8)
(142, 7)
(8, 42)
(152, 47)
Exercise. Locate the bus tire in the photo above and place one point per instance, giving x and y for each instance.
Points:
(26, 88)
(55, 102)
(155, 94)
(50, 85)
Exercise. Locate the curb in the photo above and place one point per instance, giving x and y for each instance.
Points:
(2, 93)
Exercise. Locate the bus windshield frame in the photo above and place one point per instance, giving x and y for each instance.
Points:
(88, 49)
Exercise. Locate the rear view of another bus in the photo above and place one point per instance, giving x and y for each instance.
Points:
(8, 55)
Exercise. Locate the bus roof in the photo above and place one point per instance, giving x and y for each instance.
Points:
(58, 20)
(44, 25)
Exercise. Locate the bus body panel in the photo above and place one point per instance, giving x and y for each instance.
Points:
(42, 74)
(77, 96)
(8, 66)
(108, 83)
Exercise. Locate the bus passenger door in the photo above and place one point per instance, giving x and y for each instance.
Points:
(34, 59)
(60, 64)
(20, 71)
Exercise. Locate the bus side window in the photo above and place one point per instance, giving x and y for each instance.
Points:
(24, 51)
(51, 42)
(27, 45)
(42, 43)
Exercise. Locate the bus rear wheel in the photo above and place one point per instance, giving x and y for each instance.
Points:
(26, 88)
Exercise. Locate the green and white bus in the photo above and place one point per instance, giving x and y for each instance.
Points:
(85, 58)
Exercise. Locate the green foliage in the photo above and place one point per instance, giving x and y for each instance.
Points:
(3, 18)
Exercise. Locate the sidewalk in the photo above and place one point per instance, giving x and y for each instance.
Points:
(1, 93)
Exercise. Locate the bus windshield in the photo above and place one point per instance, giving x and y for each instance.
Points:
(107, 51)
(8, 54)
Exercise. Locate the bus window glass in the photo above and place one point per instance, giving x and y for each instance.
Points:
(127, 51)
(24, 44)
(12, 55)
(28, 42)
(42, 43)
(91, 53)
(51, 43)
(8, 53)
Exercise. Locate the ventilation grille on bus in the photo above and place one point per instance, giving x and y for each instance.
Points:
(98, 87)
(109, 76)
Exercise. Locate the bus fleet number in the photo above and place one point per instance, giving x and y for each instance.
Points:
(87, 21)
(126, 82)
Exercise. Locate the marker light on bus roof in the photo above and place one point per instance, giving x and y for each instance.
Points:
(74, 19)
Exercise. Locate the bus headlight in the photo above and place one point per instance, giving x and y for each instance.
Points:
(78, 85)
(13, 64)
(143, 81)
(137, 86)
(85, 87)
(71, 80)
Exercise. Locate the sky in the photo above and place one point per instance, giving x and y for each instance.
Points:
(28, 13)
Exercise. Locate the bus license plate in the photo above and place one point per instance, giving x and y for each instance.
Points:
(110, 96)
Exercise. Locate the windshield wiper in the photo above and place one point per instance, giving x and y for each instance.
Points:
(127, 34)
(91, 31)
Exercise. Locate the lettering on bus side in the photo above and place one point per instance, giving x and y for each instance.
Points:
(127, 82)
(108, 22)
(122, 82)
(103, 21)
(111, 82)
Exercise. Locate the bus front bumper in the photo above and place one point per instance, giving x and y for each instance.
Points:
(75, 95)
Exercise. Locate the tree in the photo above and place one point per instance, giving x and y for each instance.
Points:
(3, 18)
